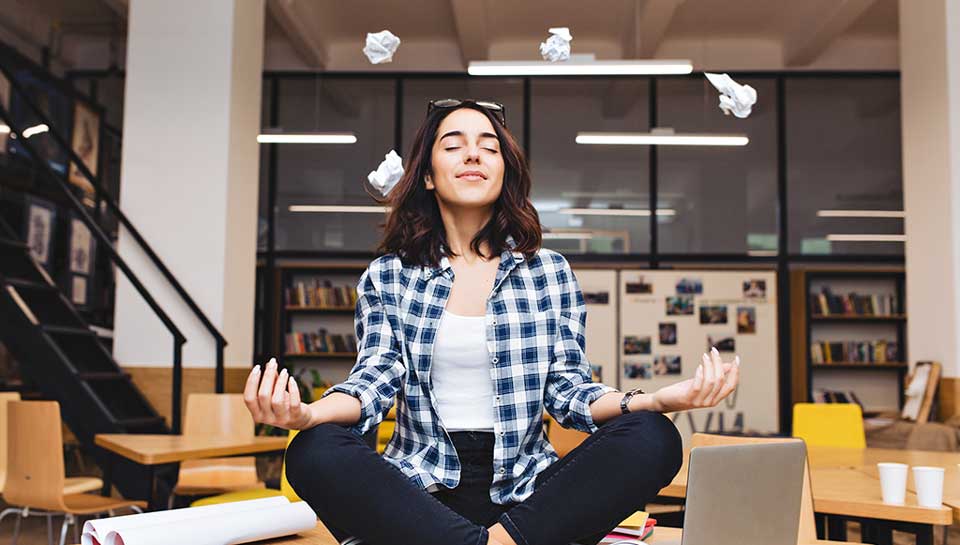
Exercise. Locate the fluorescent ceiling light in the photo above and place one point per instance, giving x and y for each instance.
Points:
(34, 130)
(867, 238)
(4, 129)
(861, 213)
(339, 208)
(661, 138)
(573, 236)
(617, 211)
(762, 253)
(307, 138)
(579, 68)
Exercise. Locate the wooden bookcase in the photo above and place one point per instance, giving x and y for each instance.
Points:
(290, 317)
(878, 383)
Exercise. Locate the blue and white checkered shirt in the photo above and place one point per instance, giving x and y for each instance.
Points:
(535, 322)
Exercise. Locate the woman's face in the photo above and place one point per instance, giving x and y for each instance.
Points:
(467, 161)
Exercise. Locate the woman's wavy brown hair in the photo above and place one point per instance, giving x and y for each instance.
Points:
(414, 230)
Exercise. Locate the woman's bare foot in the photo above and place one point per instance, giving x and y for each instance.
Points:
(499, 536)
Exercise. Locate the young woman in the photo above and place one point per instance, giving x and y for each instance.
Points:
(475, 331)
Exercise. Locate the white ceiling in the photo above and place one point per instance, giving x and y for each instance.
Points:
(446, 34)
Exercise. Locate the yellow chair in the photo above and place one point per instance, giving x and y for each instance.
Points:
(829, 424)
(35, 470)
(223, 415)
(256, 493)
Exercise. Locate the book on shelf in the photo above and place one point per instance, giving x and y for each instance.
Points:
(854, 352)
(320, 341)
(836, 396)
(827, 303)
(320, 294)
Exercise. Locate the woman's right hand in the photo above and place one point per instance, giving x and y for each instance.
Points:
(275, 400)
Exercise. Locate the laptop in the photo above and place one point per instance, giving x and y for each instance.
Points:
(744, 494)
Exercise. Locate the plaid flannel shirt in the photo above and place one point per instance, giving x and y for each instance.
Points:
(535, 322)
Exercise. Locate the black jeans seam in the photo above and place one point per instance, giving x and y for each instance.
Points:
(511, 528)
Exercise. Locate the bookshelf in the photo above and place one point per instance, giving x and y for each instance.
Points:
(315, 310)
(848, 333)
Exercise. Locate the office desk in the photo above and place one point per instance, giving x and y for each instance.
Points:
(154, 450)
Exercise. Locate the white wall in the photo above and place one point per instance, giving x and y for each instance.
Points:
(930, 98)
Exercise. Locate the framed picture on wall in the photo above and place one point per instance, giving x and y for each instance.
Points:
(86, 144)
(5, 101)
(78, 290)
(82, 247)
(41, 219)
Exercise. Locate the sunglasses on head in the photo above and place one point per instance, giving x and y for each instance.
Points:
(495, 108)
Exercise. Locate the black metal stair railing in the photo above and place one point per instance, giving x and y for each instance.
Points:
(61, 183)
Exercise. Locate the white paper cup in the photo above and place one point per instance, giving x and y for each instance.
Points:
(929, 481)
(893, 482)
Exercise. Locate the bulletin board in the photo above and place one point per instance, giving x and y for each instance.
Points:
(668, 319)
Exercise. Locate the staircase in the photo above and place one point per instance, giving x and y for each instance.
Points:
(56, 348)
(58, 352)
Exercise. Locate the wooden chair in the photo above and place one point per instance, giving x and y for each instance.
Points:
(222, 415)
(257, 493)
(807, 532)
(35, 469)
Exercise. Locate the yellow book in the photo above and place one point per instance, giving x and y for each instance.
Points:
(636, 521)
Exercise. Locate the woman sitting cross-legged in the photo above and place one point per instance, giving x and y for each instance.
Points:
(475, 331)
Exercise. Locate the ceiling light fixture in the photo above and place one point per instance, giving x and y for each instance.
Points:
(34, 130)
(307, 138)
(861, 214)
(616, 211)
(579, 68)
(866, 238)
(661, 137)
(354, 209)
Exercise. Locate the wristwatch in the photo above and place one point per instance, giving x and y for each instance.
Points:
(626, 399)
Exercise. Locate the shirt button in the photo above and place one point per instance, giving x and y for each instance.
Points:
(495, 359)
(498, 398)
(502, 433)
(494, 321)
(503, 470)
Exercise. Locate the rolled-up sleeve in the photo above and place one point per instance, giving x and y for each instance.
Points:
(379, 371)
(569, 389)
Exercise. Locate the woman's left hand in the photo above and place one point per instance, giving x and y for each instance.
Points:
(713, 381)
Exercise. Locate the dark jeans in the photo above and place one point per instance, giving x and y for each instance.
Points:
(613, 473)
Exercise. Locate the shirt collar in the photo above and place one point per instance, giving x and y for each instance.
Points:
(507, 260)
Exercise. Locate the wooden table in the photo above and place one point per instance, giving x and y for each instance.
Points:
(844, 482)
(154, 450)
(321, 536)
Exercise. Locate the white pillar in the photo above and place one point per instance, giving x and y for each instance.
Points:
(190, 175)
(930, 98)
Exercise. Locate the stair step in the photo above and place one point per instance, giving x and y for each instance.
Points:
(22, 283)
(10, 243)
(140, 422)
(103, 376)
(66, 330)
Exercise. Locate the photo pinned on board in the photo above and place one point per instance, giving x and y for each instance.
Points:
(755, 289)
(596, 297)
(668, 333)
(723, 344)
(690, 286)
(596, 373)
(666, 365)
(633, 344)
(637, 370)
(639, 287)
(713, 314)
(680, 305)
(746, 320)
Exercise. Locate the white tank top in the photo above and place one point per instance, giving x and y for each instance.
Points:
(460, 373)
